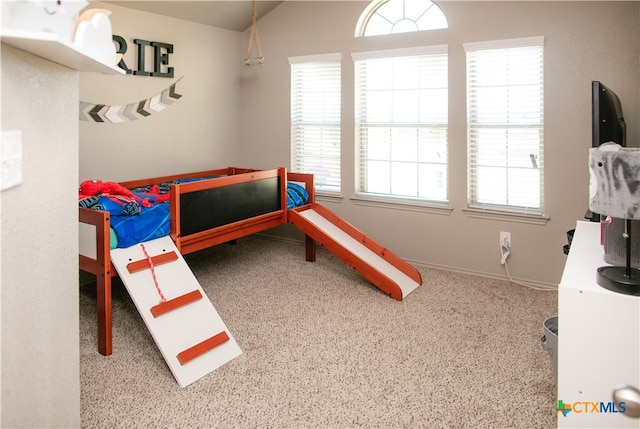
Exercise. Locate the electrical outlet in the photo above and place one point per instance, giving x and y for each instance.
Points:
(505, 240)
(505, 246)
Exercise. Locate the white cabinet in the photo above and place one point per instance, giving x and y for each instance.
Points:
(598, 338)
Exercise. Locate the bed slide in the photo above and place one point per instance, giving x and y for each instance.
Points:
(187, 329)
(377, 264)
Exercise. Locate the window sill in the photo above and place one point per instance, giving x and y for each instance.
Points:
(506, 216)
(401, 204)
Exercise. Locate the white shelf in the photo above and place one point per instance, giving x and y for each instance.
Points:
(50, 47)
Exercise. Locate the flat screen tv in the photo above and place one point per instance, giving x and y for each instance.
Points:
(607, 118)
(607, 122)
(609, 126)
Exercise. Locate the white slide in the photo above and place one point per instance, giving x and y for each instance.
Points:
(183, 322)
(377, 264)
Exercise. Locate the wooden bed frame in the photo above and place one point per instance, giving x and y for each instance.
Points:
(237, 203)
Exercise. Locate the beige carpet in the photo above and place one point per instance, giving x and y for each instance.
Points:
(325, 349)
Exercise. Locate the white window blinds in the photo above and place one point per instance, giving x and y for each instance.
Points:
(315, 118)
(505, 124)
(401, 123)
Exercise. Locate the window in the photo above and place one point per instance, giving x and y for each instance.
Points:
(401, 123)
(505, 125)
(399, 16)
(315, 118)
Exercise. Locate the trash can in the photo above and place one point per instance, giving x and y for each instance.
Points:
(549, 342)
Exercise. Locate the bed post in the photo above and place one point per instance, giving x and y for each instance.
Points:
(308, 180)
(310, 249)
(310, 185)
(103, 287)
(282, 182)
(174, 215)
(105, 338)
(101, 267)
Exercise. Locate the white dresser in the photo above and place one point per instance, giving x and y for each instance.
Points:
(598, 338)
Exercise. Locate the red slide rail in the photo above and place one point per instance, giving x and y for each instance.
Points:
(368, 271)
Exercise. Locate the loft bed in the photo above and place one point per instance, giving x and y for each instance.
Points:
(205, 209)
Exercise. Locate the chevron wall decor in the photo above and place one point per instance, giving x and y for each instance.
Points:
(130, 112)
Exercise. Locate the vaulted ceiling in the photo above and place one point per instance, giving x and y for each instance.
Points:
(231, 15)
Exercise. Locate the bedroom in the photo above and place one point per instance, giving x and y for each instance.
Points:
(224, 102)
(252, 107)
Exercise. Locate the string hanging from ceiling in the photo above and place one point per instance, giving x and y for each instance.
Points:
(258, 59)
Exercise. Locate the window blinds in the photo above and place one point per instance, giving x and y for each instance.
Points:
(315, 118)
(401, 122)
(505, 124)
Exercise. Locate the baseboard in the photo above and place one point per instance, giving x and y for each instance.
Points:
(529, 282)
(86, 278)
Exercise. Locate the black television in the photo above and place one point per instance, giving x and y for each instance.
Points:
(607, 118)
(607, 122)
(609, 126)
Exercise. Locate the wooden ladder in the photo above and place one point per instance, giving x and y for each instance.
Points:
(187, 329)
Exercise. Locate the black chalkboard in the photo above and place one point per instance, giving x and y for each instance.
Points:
(211, 208)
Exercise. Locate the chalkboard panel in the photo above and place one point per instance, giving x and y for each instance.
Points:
(211, 208)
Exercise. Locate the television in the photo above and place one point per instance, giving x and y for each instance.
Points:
(607, 118)
(607, 122)
(609, 126)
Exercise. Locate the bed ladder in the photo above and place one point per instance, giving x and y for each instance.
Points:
(187, 329)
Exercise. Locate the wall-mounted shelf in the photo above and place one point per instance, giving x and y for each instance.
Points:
(50, 47)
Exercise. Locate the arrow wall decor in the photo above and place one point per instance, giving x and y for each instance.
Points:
(129, 112)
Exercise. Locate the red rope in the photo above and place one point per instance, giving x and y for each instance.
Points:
(153, 273)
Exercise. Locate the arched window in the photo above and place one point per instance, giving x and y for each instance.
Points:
(399, 16)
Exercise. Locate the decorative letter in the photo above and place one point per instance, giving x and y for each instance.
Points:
(122, 49)
(142, 44)
(161, 58)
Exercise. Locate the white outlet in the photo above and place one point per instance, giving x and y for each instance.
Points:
(505, 240)
(505, 246)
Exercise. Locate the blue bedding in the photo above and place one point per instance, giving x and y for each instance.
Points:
(297, 195)
(133, 223)
(152, 222)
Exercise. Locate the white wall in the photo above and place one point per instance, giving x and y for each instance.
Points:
(197, 132)
(39, 259)
(233, 115)
(584, 41)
